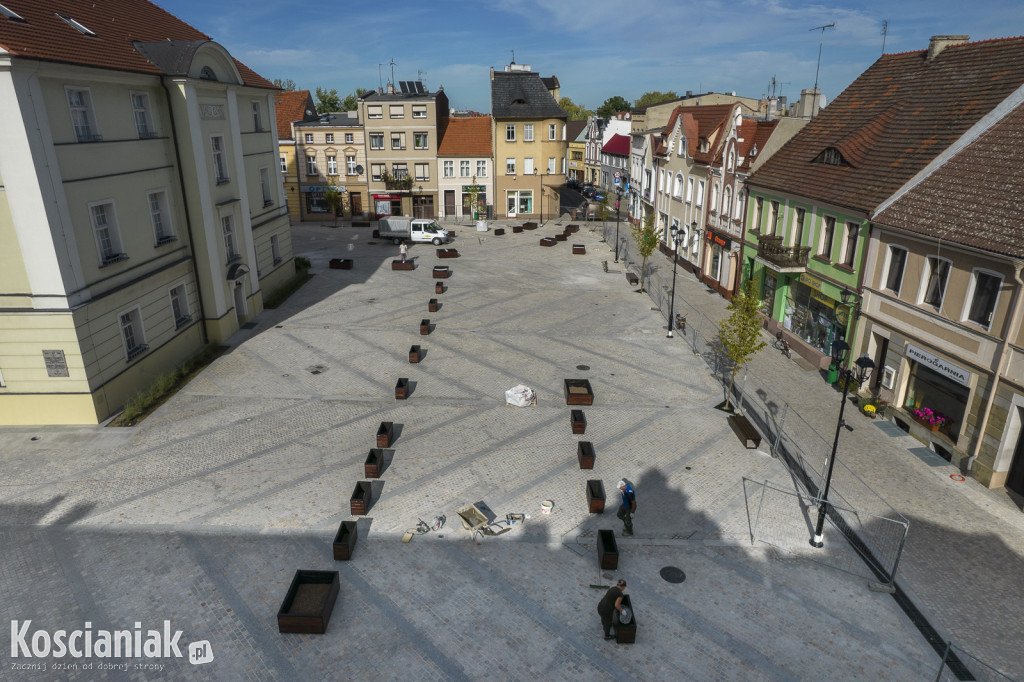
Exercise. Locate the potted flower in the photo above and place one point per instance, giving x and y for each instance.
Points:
(930, 418)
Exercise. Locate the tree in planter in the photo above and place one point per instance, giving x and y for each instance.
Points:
(646, 236)
(333, 198)
(603, 210)
(740, 333)
(474, 199)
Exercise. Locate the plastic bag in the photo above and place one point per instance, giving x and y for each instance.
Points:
(520, 396)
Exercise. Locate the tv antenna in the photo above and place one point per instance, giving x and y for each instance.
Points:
(419, 76)
(392, 62)
(380, 76)
(513, 56)
(818, 67)
(885, 31)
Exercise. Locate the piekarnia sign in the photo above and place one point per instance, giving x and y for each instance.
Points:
(89, 643)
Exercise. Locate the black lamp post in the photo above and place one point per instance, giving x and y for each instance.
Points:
(864, 365)
(618, 200)
(674, 230)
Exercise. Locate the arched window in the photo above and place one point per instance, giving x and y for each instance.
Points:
(732, 160)
(737, 210)
(727, 203)
(207, 74)
(677, 189)
(714, 197)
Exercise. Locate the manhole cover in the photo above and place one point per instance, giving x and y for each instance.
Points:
(583, 368)
(672, 574)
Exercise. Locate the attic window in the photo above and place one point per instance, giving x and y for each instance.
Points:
(703, 145)
(832, 157)
(74, 24)
(207, 74)
(519, 101)
(11, 14)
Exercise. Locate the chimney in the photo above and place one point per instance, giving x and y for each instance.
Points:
(689, 94)
(939, 43)
(810, 101)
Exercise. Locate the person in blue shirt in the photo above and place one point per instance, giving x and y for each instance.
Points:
(628, 506)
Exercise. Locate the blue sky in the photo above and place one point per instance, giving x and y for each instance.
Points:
(598, 48)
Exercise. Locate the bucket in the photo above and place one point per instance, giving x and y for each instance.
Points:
(545, 506)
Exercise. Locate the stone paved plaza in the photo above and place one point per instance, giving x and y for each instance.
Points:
(202, 514)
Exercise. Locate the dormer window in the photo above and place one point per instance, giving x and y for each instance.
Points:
(74, 24)
(831, 157)
(207, 74)
(10, 14)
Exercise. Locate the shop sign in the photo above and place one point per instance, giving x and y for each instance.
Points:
(716, 238)
(823, 299)
(933, 362)
(472, 188)
(812, 282)
(322, 188)
(388, 197)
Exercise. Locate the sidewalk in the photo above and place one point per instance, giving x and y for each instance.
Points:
(962, 563)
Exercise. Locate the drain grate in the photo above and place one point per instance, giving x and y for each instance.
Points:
(671, 574)
(316, 369)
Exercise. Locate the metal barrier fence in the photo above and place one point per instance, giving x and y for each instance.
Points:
(958, 664)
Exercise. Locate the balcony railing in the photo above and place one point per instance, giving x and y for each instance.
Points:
(770, 248)
(399, 183)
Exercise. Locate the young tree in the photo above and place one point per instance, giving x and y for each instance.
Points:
(333, 198)
(603, 210)
(740, 333)
(655, 97)
(576, 111)
(474, 199)
(612, 105)
(327, 100)
(646, 236)
(285, 84)
(351, 101)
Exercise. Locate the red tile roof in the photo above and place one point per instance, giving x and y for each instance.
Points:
(290, 107)
(698, 122)
(618, 144)
(893, 120)
(972, 198)
(754, 134)
(116, 24)
(466, 137)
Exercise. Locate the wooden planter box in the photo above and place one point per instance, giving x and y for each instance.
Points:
(530, 226)
(607, 549)
(498, 231)
(748, 435)
(438, 288)
(585, 454)
(578, 392)
(402, 389)
(424, 326)
(561, 237)
(572, 228)
(345, 541)
(399, 265)
(547, 241)
(364, 223)
(341, 264)
(579, 249)
(374, 464)
(632, 279)
(931, 427)
(579, 421)
(414, 354)
(362, 498)
(595, 496)
(385, 433)
(626, 633)
(432, 305)
(441, 272)
(447, 253)
(308, 604)
(516, 229)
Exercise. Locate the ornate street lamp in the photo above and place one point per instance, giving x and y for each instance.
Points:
(674, 230)
(618, 200)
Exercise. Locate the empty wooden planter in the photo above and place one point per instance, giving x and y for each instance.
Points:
(595, 496)
(530, 226)
(578, 421)
(362, 498)
(516, 229)
(625, 633)
(341, 264)
(441, 272)
(424, 326)
(432, 305)
(374, 464)
(561, 237)
(345, 541)
(308, 604)
(402, 389)
(607, 549)
(447, 253)
(585, 454)
(572, 228)
(399, 265)
(414, 354)
(438, 288)
(578, 392)
(579, 249)
(498, 231)
(385, 432)
(547, 241)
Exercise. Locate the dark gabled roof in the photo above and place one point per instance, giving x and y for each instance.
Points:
(551, 82)
(522, 95)
(618, 144)
(892, 121)
(117, 27)
(291, 106)
(573, 129)
(973, 197)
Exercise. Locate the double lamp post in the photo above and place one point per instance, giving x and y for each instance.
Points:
(674, 230)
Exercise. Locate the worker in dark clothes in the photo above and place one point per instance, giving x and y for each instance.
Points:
(610, 603)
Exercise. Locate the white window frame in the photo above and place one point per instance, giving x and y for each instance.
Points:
(179, 294)
(399, 137)
(115, 253)
(142, 114)
(422, 171)
(350, 165)
(2, 384)
(689, 190)
(396, 111)
(160, 217)
(399, 170)
(449, 168)
(552, 131)
(257, 116)
(311, 169)
(420, 135)
(376, 140)
(798, 226)
(332, 164)
(774, 209)
(128, 329)
(275, 249)
(825, 231)
(377, 171)
(926, 271)
(349, 138)
(309, 138)
(848, 228)
(419, 110)
(265, 191)
(972, 290)
(700, 193)
(83, 126)
(481, 168)
(465, 168)
(528, 166)
(329, 138)
(677, 186)
(374, 111)
(284, 163)
(887, 266)
(220, 160)
(227, 226)
(510, 132)
(510, 166)
(527, 132)
(551, 165)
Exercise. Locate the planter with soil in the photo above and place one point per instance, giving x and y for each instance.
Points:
(309, 602)
(345, 541)
(578, 392)
(595, 496)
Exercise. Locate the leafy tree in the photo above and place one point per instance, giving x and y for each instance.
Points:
(655, 97)
(576, 111)
(603, 210)
(333, 198)
(285, 83)
(646, 236)
(740, 333)
(351, 102)
(474, 199)
(613, 105)
(327, 100)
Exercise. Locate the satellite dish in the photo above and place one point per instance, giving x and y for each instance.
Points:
(359, 170)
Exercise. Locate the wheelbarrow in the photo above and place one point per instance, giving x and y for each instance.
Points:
(477, 522)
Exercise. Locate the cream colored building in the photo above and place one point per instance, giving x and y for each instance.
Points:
(465, 164)
(141, 212)
(291, 107)
(331, 152)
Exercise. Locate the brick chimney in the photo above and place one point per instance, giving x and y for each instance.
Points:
(939, 43)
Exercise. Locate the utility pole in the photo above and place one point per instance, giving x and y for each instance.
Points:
(885, 32)
(818, 67)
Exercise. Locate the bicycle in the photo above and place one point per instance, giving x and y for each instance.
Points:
(681, 324)
(782, 345)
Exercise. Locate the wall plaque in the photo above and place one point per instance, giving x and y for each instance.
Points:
(56, 365)
(211, 112)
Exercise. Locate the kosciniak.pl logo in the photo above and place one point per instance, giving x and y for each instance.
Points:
(89, 643)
